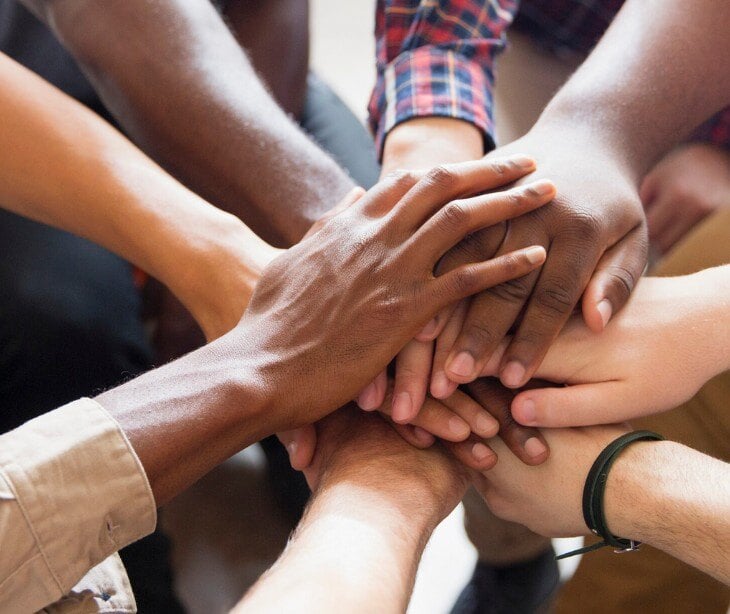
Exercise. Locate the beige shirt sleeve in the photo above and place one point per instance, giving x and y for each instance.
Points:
(72, 493)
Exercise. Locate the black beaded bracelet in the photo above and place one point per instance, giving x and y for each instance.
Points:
(594, 490)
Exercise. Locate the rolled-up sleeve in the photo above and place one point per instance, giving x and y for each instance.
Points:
(72, 493)
(436, 58)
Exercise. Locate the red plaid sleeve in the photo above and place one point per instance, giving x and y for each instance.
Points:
(436, 58)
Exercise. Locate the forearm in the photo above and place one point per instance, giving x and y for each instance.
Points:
(65, 167)
(655, 76)
(191, 99)
(676, 499)
(186, 417)
(354, 551)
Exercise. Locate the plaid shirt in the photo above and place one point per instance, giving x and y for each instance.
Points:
(436, 57)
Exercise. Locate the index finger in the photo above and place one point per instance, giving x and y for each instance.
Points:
(445, 183)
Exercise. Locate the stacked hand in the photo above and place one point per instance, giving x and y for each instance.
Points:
(329, 304)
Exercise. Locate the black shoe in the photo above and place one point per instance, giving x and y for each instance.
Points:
(524, 588)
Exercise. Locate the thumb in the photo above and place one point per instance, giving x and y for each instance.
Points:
(579, 405)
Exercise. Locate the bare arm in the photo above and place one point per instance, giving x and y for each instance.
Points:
(655, 75)
(183, 89)
(63, 166)
(305, 346)
(358, 546)
(677, 500)
(661, 493)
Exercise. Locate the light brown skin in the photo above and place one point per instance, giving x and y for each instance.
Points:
(375, 502)
(661, 493)
(179, 83)
(625, 107)
(325, 317)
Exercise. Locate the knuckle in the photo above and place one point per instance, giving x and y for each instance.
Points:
(555, 298)
(402, 178)
(453, 216)
(500, 167)
(585, 225)
(464, 281)
(442, 176)
(622, 279)
(479, 335)
(512, 291)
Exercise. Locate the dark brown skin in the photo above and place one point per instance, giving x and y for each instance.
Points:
(325, 318)
(655, 76)
(181, 86)
(275, 35)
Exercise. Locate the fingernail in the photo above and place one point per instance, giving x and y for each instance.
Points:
(367, 399)
(523, 161)
(458, 427)
(606, 310)
(402, 407)
(291, 447)
(527, 412)
(439, 385)
(542, 187)
(480, 451)
(430, 329)
(462, 365)
(513, 374)
(534, 447)
(484, 426)
(535, 255)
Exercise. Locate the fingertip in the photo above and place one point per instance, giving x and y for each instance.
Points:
(430, 331)
(486, 426)
(367, 400)
(403, 410)
(458, 429)
(423, 437)
(524, 410)
(441, 387)
(535, 254)
(461, 367)
(484, 457)
(513, 374)
(536, 450)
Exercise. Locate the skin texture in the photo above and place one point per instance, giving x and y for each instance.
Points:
(375, 502)
(64, 166)
(191, 99)
(305, 345)
(275, 35)
(424, 143)
(661, 493)
(672, 337)
(645, 86)
(690, 183)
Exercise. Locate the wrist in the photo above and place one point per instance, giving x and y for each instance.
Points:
(636, 494)
(215, 268)
(429, 141)
(410, 518)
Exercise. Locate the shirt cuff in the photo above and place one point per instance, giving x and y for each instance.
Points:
(81, 487)
(432, 82)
